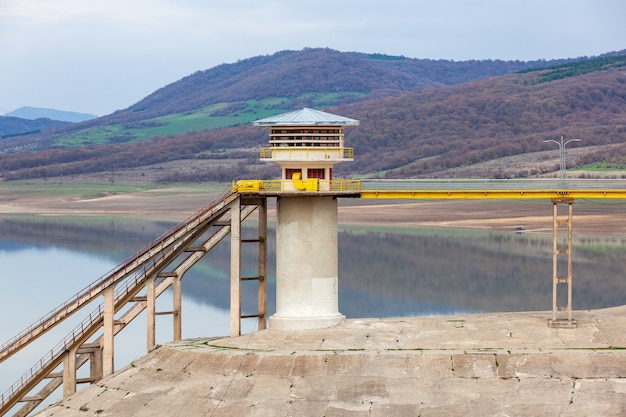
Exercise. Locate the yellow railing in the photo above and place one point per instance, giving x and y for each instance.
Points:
(447, 188)
(310, 185)
(307, 152)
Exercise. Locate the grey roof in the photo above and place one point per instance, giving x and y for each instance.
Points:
(306, 117)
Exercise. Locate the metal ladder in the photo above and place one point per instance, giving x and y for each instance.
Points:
(236, 274)
(558, 311)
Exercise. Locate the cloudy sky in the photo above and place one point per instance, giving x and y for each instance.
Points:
(99, 56)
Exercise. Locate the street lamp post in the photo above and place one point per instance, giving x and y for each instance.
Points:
(563, 167)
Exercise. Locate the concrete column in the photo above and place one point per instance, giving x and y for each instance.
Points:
(95, 364)
(178, 307)
(306, 264)
(108, 340)
(69, 373)
(235, 268)
(150, 313)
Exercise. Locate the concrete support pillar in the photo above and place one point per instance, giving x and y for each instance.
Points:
(108, 338)
(151, 313)
(306, 264)
(178, 306)
(235, 268)
(69, 373)
(95, 364)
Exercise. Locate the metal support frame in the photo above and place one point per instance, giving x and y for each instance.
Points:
(262, 290)
(85, 344)
(235, 265)
(557, 320)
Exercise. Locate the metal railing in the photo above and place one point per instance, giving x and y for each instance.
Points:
(123, 288)
(269, 186)
(53, 355)
(443, 188)
(95, 288)
(521, 184)
(307, 152)
(128, 275)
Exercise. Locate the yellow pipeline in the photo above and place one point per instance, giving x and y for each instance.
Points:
(312, 185)
(488, 194)
(296, 177)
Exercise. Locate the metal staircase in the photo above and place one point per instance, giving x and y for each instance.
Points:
(133, 286)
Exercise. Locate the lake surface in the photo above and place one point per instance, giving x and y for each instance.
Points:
(382, 273)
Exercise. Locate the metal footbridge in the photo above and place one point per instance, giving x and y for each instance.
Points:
(446, 188)
(120, 296)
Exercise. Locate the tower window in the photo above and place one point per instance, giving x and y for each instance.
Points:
(290, 171)
(315, 173)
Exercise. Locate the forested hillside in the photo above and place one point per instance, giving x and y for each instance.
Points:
(353, 76)
(422, 133)
(232, 94)
(299, 74)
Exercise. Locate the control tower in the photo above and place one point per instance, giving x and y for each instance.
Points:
(306, 144)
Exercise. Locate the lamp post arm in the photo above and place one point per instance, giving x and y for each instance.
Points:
(571, 140)
(563, 165)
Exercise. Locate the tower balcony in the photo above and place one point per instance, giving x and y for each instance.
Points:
(306, 153)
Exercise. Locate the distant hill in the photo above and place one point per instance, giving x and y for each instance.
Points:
(15, 126)
(32, 113)
(238, 93)
(426, 133)
(301, 75)
(430, 132)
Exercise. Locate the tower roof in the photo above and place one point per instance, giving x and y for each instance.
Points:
(306, 117)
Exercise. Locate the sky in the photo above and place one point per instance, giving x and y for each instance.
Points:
(96, 56)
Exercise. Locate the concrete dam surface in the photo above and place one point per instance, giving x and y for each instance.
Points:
(506, 364)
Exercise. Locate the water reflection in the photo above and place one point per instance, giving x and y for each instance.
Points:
(382, 272)
(36, 279)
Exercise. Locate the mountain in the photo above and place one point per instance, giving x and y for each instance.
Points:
(33, 113)
(238, 93)
(425, 133)
(433, 130)
(15, 126)
(299, 75)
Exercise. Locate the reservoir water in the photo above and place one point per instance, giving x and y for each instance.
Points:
(384, 272)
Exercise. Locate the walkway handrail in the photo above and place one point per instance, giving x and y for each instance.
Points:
(517, 184)
(7, 348)
(61, 347)
(129, 280)
(311, 153)
(269, 186)
(54, 353)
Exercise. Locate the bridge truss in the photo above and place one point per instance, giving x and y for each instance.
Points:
(129, 290)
